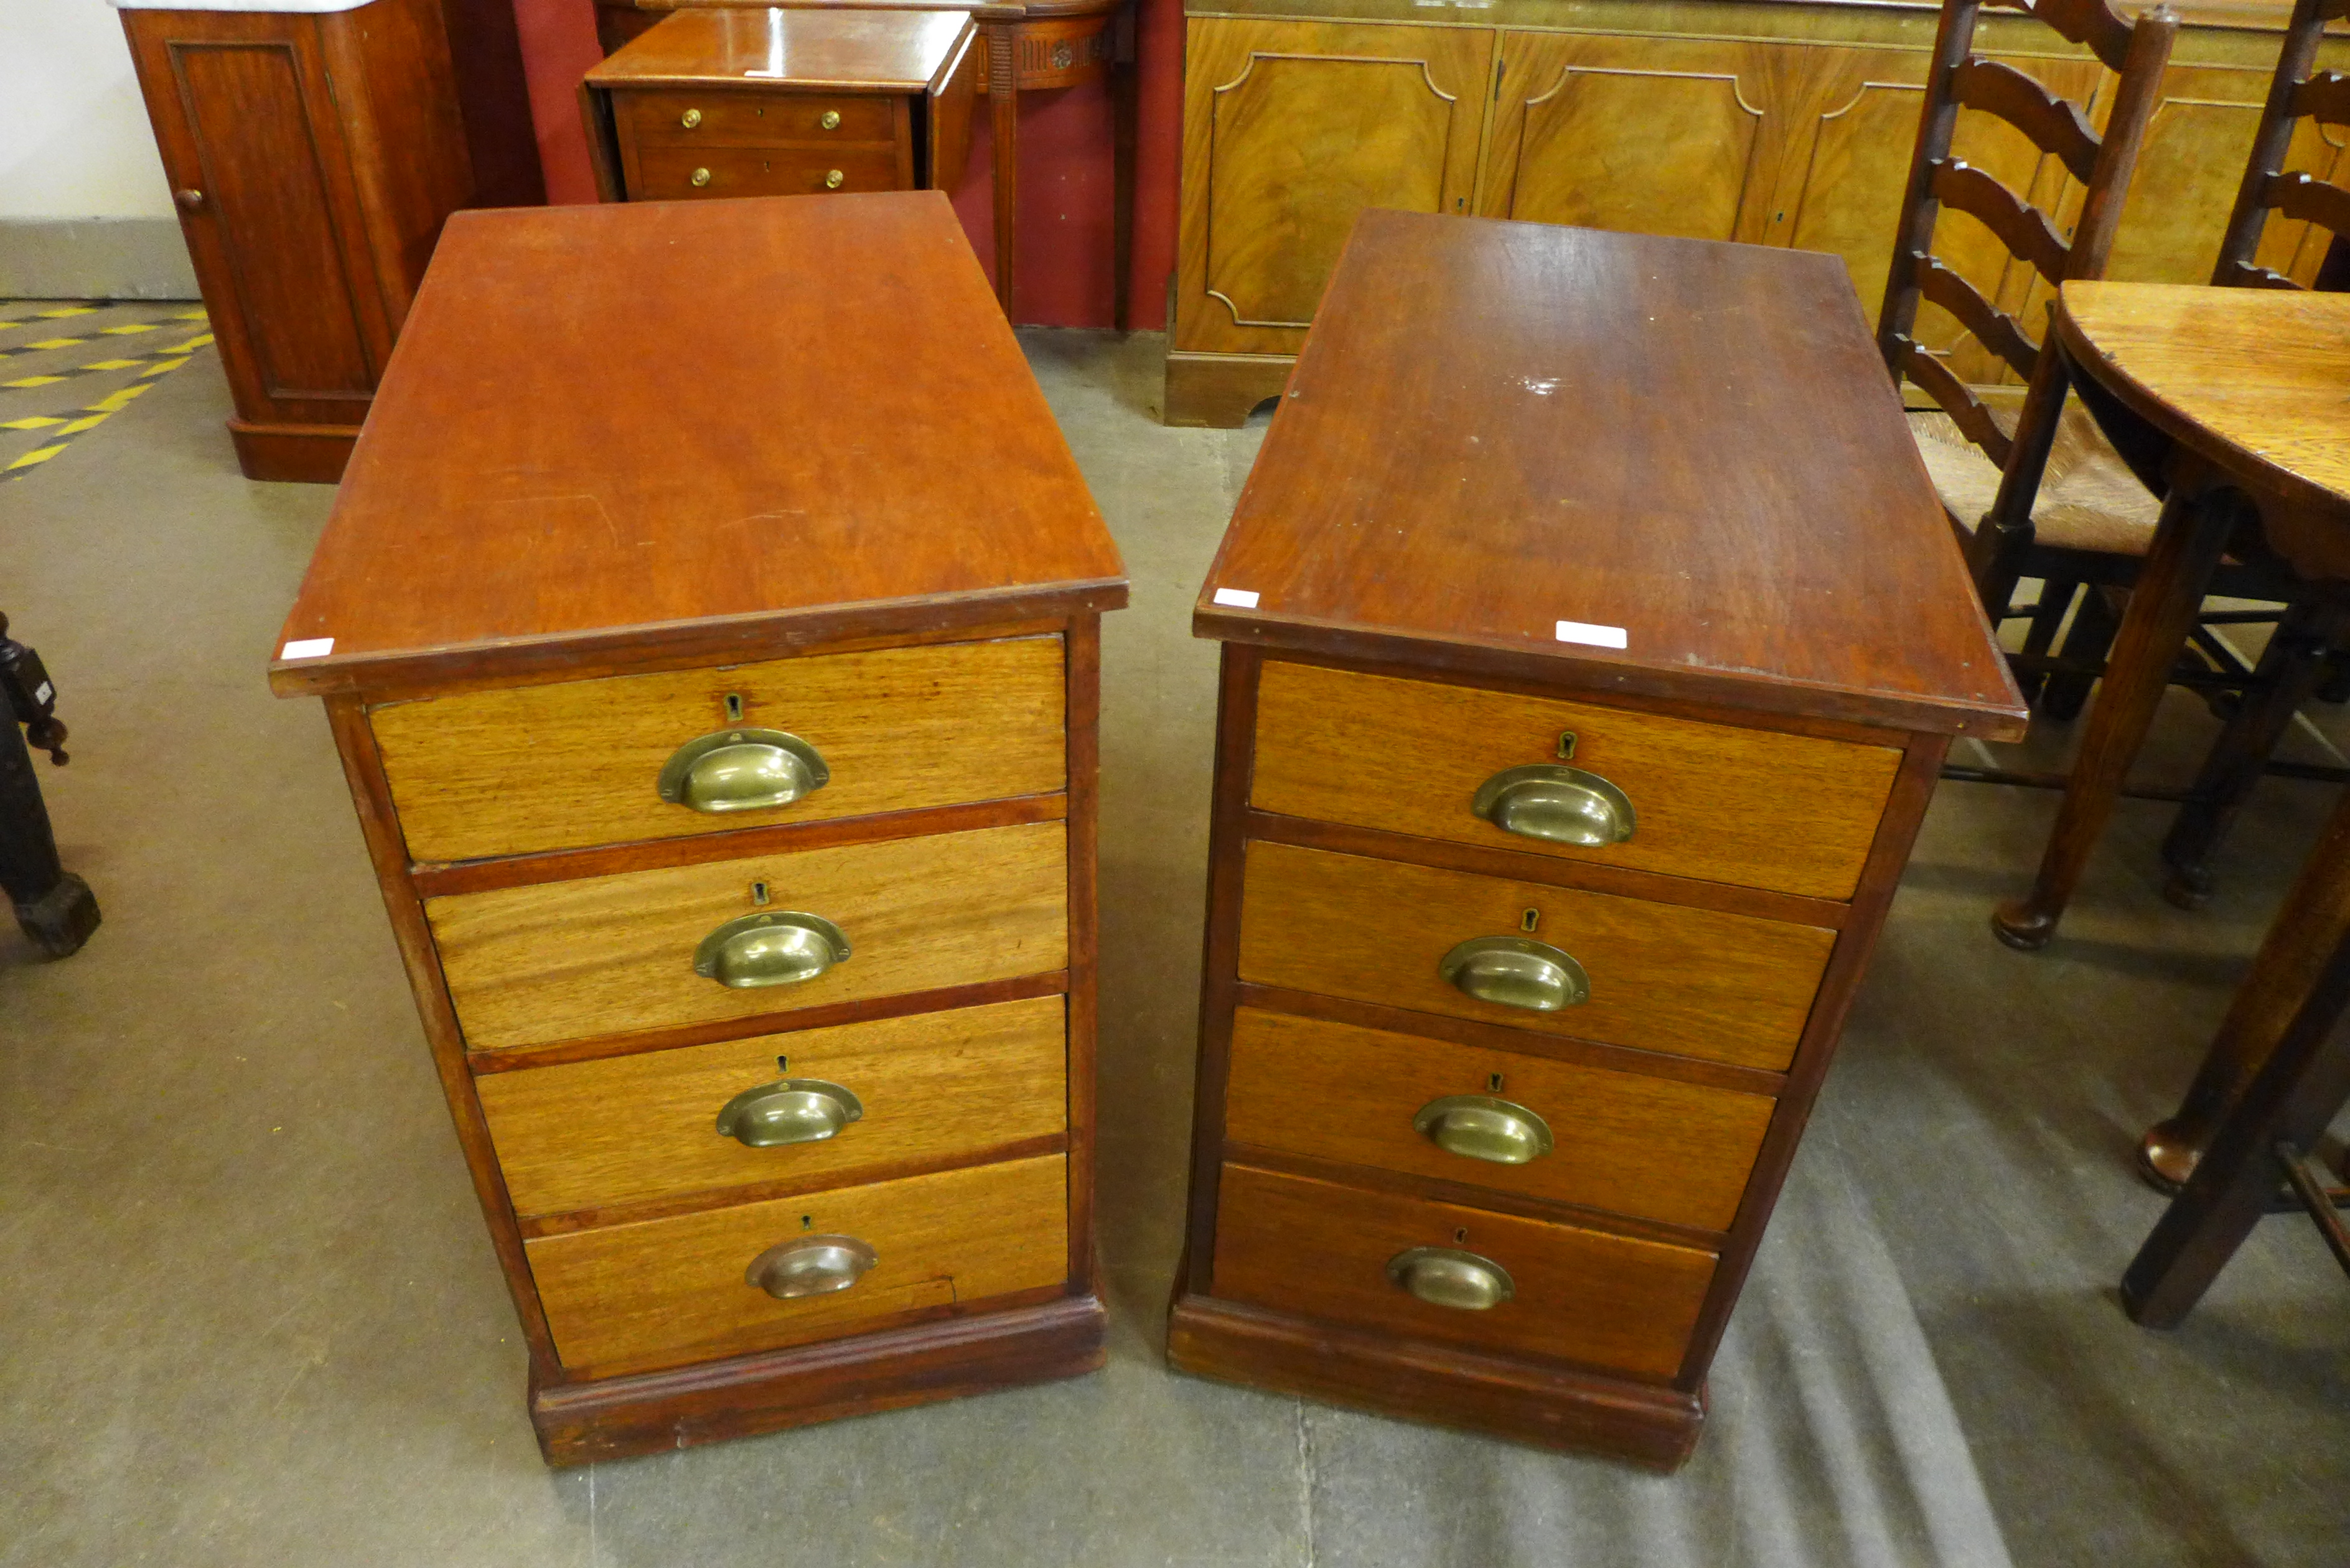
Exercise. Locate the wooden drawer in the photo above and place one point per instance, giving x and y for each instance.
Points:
(666, 173)
(564, 766)
(1649, 1146)
(753, 118)
(629, 1298)
(938, 1086)
(1749, 806)
(1663, 977)
(608, 955)
(1316, 1248)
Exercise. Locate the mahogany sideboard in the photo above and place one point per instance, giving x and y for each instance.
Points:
(313, 156)
(783, 103)
(1583, 689)
(1777, 122)
(731, 783)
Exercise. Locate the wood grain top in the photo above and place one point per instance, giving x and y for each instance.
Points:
(892, 50)
(2255, 380)
(660, 428)
(1497, 428)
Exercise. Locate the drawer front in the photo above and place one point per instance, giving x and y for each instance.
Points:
(938, 1086)
(1646, 1147)
(534, 768)
(608, 955)
(668, 174)
(1695, 982)
(752, 119)
(1748, 806)
(629, 1298)
(1324, 1250)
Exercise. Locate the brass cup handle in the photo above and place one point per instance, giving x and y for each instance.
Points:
(1448, 1277)
(742, 770)
(1515, 971)
(781, 949)
(690, 119)
(789, 1110)
(810, 1266)
(1479, 1126)
(832, 179)
(1560, 804)
(829, 120)
(700, 178)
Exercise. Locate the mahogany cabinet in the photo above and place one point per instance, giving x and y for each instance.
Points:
(1567, 759)
(313, 154)
(733, 801)
(1778, 124)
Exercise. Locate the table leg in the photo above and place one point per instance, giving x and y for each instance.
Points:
(2195, 521)
(1004, 116)
(2300, 984)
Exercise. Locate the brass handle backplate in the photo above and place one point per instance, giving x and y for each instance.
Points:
(1562, 804)
(1448, 1277)
(810, 1266)
(1515, 971)
(782, 948)
(189, 200)
(700, 178)
(1479, 1126)
(830, 119)
(789, 1110)
(742, 770)
(690, 119)
(832, 179)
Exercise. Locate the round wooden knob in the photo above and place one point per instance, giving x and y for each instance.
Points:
(189, 200)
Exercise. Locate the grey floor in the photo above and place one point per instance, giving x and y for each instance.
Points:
(250, 1315)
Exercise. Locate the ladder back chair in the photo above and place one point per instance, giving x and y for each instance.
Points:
(2039, 493)
(2296, 94)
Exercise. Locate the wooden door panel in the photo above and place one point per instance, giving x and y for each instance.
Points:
(261, 153)
(1291, 128)
(1660, 136)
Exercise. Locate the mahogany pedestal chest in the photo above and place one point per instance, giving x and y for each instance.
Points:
(725, 750)
(1593, 638)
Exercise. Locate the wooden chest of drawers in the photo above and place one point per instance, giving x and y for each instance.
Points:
(1593, 640)
(777, 103)
(729, 772)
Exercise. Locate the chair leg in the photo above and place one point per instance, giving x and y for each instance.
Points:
(2089, 641)
(2056, 597)
(52, 905)
(2288, 671)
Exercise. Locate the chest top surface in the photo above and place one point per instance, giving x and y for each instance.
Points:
(721, 426)
(895, 50)
(1503, 435)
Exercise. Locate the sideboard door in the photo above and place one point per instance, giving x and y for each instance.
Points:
(1291, 128)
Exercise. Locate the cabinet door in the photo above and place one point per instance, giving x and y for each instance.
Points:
(1291, 128)
(1653, 136)
(249, 134)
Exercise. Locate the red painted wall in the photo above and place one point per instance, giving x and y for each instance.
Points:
(1067, 151)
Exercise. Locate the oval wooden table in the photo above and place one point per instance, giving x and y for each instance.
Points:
(2238, 399)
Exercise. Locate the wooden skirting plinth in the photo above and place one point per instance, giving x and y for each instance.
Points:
(301, 454)
(1221, 390)
(746, 1394)
(1553, 1408)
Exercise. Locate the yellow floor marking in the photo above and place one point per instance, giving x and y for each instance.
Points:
(199, 340)
(34, 421)
(41, 454)
(193, 316)
(82, 424)
(65, 310)
(114, 400)
(109, 364)
(56, 343)
(33, 381)
(134, 326)
(147, 375)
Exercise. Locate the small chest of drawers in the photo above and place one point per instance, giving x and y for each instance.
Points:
(729, 774)
(774, 102)
(1583, 688)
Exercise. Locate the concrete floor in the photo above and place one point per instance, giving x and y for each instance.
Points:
(254, 1318)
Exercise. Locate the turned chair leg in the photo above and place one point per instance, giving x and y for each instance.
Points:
(2056, 597)
(2090, 640)
(55, 907)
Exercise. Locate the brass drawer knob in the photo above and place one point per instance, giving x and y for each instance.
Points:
(742, 770)
(690, 119)
(1515, 971)
(1565, 806)
(700, 178)
(782, 948)
(1479, 1126)
(1447, 1277)
(789, 1110)
(810, 1266)
(830, 119)
(189, 200)
(832, 179)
